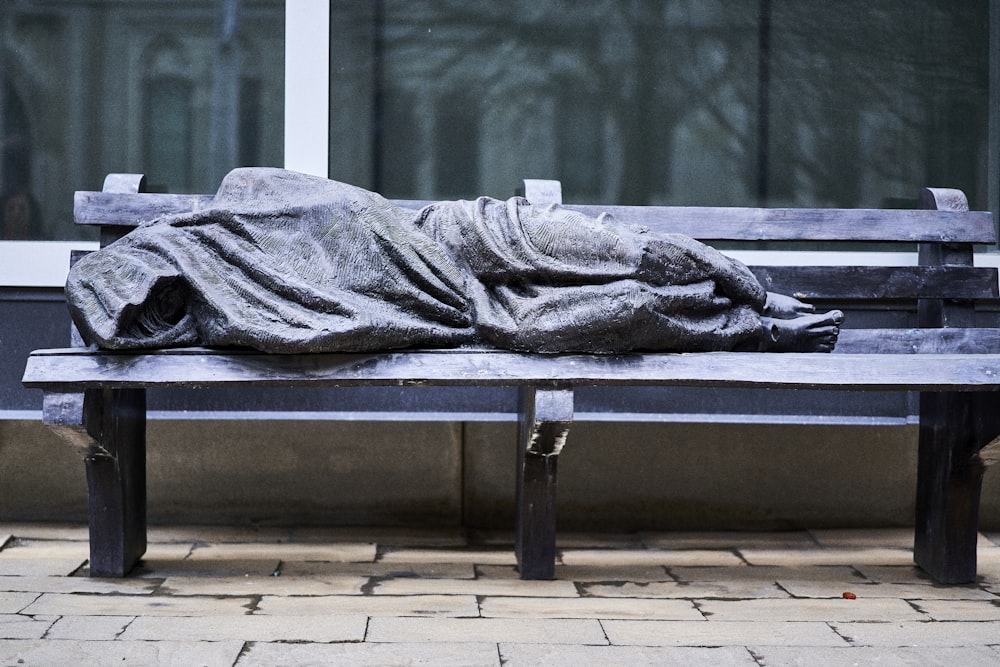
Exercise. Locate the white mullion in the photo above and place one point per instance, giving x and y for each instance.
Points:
(307, 86)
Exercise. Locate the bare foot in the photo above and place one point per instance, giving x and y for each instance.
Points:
(807, 333)
(784, 307)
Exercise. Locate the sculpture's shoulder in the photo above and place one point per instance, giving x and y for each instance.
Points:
(271, 188)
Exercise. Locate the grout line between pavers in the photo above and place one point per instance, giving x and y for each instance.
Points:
(600, 623)
(736, 551)
(126, 627)
(45, 634)
(833, 627)
(244, 651)
(756, 658)
(254, 604)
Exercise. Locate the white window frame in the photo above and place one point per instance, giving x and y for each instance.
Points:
(307, 86)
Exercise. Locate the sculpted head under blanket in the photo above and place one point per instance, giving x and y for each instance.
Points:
(284, 262)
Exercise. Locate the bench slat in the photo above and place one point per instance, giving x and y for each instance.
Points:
(918, 341)
(115, 208)
(880, 282)
(806, 224)
(707, 223)
(66, 370)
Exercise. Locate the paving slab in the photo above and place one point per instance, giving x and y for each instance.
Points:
(46, 530)
(554, 655)
(672, 589)
(834, 556)
(219, 534)
(630, 558)
(720, 633)
(262, 585)
(89, 628)
(27, 566)
(381, 569)
(385, 536)
(102, 653)
(941, 656)
(18, 626)
(570, 540)
(59, 604)
(894, 574)
(864, 538)
(765, 573)
(52, 584)
(593, 573)
(14, 602)
(473, 556)
(345, 552)
(34, 548)
(918, 591)
(555, 631)
(157, 568)
(909, 634)
(960, 610)
(508, 587)
(798, 539)
(367, 654)
(248, 628)
(810, 609)
(591, 607)
(370, 605)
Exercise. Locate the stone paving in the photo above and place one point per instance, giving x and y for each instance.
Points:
(376, 596)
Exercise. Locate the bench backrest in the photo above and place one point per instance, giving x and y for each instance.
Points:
(943, 287)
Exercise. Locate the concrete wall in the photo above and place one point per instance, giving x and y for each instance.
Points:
(614, 476)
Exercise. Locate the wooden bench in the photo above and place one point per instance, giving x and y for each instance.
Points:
(96, 400)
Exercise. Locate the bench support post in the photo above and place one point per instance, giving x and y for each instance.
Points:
(545, 416)
(954, 427)
(108, 428)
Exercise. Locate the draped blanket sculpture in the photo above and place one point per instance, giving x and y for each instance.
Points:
(285, 262)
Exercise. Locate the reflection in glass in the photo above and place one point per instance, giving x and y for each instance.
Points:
(668, 101)
(178, 91)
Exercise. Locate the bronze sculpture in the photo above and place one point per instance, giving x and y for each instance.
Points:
(284, 262)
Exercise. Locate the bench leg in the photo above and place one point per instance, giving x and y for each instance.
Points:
(545, 416)
(116, 482)
(953, 429)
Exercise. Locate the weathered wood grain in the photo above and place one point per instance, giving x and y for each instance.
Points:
(65, 369)
(706, 223)
(880, 282)
(918, 341)
(800, 224)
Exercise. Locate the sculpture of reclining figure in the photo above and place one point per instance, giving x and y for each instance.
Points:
(285, 262)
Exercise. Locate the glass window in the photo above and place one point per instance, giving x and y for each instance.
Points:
(687, 102)
(180, 91)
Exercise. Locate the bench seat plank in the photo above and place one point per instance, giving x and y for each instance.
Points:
(62, 370)
(700, 222)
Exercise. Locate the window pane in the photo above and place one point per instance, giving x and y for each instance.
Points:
(704, 102)
(180, 91)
